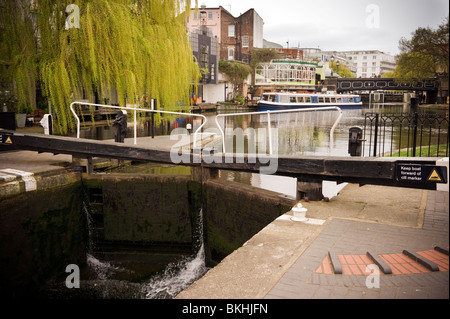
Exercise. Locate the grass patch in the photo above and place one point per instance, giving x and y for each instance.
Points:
(424, 151)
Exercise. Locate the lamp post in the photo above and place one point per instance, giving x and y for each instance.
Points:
(331, 67)
(202, 17)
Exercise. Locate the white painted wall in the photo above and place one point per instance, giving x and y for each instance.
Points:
(258, 25)
(213, 93)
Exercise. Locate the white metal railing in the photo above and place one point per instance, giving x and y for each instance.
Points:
(269, 126)
(152, 110)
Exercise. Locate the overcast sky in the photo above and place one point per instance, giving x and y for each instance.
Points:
(340, 25)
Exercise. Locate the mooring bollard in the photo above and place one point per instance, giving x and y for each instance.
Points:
(299, 213)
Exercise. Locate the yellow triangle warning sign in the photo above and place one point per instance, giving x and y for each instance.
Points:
(8, 140)
(434, 176)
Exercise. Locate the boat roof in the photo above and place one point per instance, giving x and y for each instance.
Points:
(309, 94)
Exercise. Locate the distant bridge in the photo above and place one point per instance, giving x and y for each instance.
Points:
(371, 84)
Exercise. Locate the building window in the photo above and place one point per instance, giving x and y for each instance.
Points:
(230, 53)
(231, 30)
(374, 64)
(245, 41)
(212, 72)
(365, 57)
(204, 53)
(210, 15)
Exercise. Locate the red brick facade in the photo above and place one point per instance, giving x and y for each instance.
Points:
(240, 44)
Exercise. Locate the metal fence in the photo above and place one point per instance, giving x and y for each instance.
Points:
(406, 134)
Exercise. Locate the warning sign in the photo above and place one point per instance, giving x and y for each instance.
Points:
(434, 176)
(421, 173)
(5, 138)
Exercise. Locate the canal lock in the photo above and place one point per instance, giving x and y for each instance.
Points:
(135, 230)
(170, 229)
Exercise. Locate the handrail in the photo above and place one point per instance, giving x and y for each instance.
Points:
(268, 112)
(137, 109)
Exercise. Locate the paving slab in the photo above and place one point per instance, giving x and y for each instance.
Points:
(30, 161)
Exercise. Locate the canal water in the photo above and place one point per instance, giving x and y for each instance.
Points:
(296, 133)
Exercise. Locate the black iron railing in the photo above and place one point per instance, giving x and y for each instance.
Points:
(406, 134)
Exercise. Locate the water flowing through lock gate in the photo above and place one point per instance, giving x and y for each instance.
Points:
(176, 276)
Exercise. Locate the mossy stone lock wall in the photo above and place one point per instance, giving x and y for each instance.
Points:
(150, 208)
(41, 232)
(235, 213)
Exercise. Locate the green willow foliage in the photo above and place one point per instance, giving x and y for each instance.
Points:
(126, 48)
(18, 52)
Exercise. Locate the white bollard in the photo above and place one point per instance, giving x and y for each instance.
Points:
(299, 213)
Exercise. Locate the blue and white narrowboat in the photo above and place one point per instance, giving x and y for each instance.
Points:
(284, 100)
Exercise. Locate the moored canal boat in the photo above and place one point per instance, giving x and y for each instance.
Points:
(285, 100)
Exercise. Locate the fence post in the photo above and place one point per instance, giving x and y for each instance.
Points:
(415, 122)
(269, 126)
(376, 136)
(153, 108)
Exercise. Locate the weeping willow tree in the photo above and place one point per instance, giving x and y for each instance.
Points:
(18, 52)
(127, 49)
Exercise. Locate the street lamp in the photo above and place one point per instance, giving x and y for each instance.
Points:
(202, 17)
(331, 67)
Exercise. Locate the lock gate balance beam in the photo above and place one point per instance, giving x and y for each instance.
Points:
(421, 173)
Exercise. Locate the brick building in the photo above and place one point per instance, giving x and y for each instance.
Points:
(236, 36)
